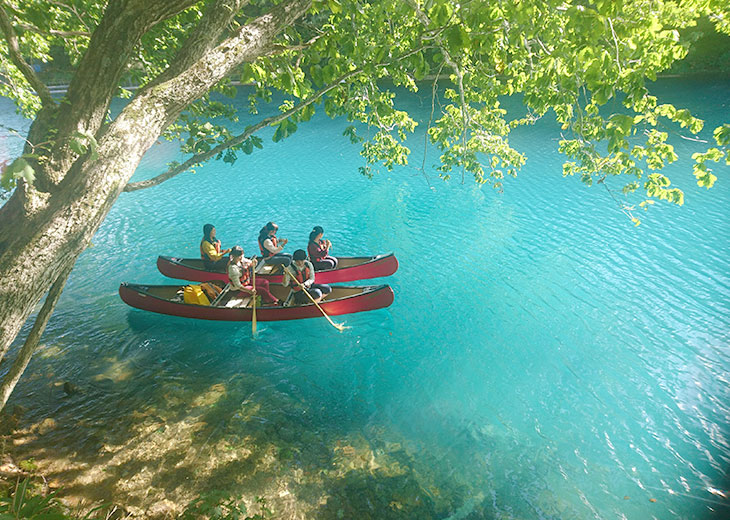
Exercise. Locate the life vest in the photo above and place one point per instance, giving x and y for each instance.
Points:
(301, 276)
(316, 251)
(245, 275)
(216, 244)
(265, 252)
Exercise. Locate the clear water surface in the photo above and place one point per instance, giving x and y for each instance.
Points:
(544, 358)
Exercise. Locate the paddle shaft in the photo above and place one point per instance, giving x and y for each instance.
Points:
(304, 289)
(253, 283)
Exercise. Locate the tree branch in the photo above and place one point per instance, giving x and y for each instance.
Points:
(28, 73)
(202, 157)
(53, 32)
(96, 80)
(205, 35)
(73, 10)
(31, 342)
(156, 106)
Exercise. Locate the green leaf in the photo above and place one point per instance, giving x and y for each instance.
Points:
(77, 145)
(441, 13)
(707, 180)
(457, 38)
(229, 157)
(722, 135)
(82, 142)
(335, 6)
(18, 169)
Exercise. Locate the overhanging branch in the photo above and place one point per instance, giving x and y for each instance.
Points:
(204, 36)
(54, 32)
(202, 157)
(26, 70)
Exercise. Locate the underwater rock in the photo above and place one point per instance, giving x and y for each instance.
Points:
(8, 469)
(69, 388)
(45, 426)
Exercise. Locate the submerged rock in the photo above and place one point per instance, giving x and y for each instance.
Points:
(70, 388)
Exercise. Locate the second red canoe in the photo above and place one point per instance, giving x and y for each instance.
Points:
(349, 268)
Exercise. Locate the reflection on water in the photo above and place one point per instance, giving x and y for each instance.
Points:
(543, 357)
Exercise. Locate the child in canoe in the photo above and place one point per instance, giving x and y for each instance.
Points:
(304, 273)
(271, 246)
(239, 276)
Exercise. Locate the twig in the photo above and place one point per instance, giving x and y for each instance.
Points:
(26, 70)
(459, 79)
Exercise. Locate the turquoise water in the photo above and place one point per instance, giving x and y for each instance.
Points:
(543, 358)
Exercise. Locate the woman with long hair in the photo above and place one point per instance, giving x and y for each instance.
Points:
(271, 246)
(319, 250)
(210, 250)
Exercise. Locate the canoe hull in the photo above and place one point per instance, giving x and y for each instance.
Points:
(373, 267)
(374, 297)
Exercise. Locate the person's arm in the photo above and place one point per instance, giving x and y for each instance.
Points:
(218, 248)
(285, 281)
(269, 246)
(309, 281)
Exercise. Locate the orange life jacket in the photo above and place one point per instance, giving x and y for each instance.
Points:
(301, 276)
(265, 252)
(245, 275)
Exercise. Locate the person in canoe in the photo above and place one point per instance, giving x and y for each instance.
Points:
(271, 246)
(304, 272)
(319, 250)
(210, 250)
(239, 276)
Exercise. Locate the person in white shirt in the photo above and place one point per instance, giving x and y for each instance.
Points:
(239, 276)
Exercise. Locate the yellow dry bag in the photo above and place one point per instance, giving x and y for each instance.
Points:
(194, 294)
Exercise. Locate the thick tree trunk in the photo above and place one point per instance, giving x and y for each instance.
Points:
(41, 232)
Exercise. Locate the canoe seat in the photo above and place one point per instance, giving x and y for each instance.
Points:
(238, 301)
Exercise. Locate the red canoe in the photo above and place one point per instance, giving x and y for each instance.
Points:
(349, 268)
(342, 300)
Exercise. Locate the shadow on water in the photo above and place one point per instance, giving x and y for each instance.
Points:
(115, 419)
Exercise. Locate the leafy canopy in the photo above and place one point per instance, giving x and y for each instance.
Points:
(567, 60)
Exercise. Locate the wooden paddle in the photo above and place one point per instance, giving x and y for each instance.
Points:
(253, 283)
(338, 326)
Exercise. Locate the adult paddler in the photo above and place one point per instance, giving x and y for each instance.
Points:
(271, 246)
(210, 250)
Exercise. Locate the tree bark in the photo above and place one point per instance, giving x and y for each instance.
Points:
(97, 78)
(60, 224)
